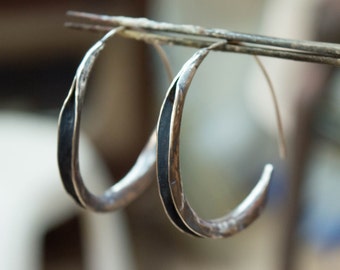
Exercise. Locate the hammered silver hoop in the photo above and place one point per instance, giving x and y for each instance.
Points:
(168, 165)
(132, 184)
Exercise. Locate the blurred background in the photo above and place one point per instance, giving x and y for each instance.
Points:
(228, 134)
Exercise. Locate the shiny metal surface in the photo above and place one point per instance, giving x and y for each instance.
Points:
(130, 186)
(163, 133)
(168, 166)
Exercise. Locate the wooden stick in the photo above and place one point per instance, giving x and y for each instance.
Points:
(198, 37)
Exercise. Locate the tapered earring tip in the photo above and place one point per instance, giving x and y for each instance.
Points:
(268, 170)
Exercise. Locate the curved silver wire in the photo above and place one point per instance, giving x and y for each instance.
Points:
(163, 131)
(168, 165)
(132, 184)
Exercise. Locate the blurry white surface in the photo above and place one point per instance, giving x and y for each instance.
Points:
(33, 199)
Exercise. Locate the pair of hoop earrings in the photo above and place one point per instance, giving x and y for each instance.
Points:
(161, 151)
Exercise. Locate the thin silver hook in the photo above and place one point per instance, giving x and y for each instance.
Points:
(131, 185)
(168, 165)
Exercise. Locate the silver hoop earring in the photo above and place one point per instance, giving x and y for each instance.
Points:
(129, 187)
(168, 165)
